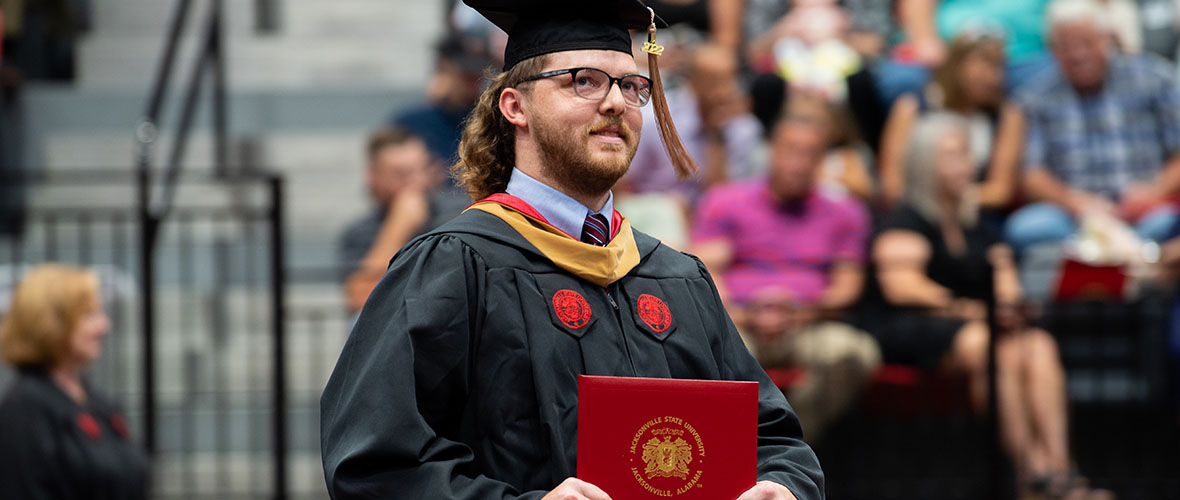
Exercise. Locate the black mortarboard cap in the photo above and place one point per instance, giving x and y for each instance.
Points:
(537, 27)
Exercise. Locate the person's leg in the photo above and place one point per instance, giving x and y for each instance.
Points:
(1046, 398)
(1012, 409)
(839, 360)
(1047, 402)
(1156, 224)
(968, 355)
(1038, 223)
(894, 79)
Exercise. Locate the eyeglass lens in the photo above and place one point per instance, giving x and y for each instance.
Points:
(593, 83)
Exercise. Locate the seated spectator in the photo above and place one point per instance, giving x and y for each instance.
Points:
(59, 436)
(402, 178)
(460, 62)
(1103, 135)
(869, 23)
(845, 168)
(807, 47)
(713, 119)
(933, 267)
(790, 262)
(971, 84)
(928, 25)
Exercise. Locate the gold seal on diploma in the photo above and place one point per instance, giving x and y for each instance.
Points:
(669, 461)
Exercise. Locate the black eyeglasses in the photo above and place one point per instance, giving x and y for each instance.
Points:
(595, 84)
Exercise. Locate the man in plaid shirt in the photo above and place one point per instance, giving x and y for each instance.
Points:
(1103, 134)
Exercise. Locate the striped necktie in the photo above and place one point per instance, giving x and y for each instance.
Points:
(594, 231)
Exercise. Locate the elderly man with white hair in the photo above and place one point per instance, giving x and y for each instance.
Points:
(1103, 134)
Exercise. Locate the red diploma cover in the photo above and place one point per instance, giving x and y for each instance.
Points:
(641, 438)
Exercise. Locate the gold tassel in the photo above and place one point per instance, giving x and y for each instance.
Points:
(681, 160)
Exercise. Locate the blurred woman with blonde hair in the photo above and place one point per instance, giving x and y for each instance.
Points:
(934, 266)
(59, 438)
(970, 84)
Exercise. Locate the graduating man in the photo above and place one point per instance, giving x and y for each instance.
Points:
(459, 380)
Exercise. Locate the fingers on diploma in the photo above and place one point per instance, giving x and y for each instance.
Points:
(576, 489)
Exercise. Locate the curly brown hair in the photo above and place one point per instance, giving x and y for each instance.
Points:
(487, 151)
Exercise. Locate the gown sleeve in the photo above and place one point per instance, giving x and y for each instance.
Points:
(28, 467)
(783, 457)
(390, 411)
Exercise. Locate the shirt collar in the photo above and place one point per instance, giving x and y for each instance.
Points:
(564, 212)
(799, 207)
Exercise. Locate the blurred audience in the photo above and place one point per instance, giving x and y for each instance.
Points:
(720, 19)
(460, 62)
(789, 261)
(845, 167)
(1103, 135)
(61, 438)
(807, 47)
(934, 266)
(927, 25)
(403, 180)
(969, 83)
(713, 119)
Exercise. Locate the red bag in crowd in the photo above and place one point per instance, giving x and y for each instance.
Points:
(1081, 281)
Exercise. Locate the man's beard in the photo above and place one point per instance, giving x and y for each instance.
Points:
(567, 160)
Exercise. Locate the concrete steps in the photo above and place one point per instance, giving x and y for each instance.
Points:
(343, 43)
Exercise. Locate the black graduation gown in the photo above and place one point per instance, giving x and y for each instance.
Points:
(51, 448)
(459, 378)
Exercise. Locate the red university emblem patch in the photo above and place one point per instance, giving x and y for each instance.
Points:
(571, 308)
(655, 313)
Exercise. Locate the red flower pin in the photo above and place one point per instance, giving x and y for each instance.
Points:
(120, 425)
(89, 425)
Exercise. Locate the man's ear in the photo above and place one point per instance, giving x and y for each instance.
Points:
(512, 107)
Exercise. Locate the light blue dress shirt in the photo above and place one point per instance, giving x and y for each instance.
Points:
(565, 213)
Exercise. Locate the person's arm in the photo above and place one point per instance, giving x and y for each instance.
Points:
(725, 19)
(1040, 185)
(712, 241)
(1037, 182)
(846, 281)
(717, 254)
(408, 213)
(900, 257)
(846, 275)
(1006, 275)
(1139, 198)
(394, 396)
(999, 188)
(894, 139)
(855, 175)
(916, 18)
(1010, 311)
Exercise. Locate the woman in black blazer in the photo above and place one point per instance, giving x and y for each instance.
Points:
(59, 438)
